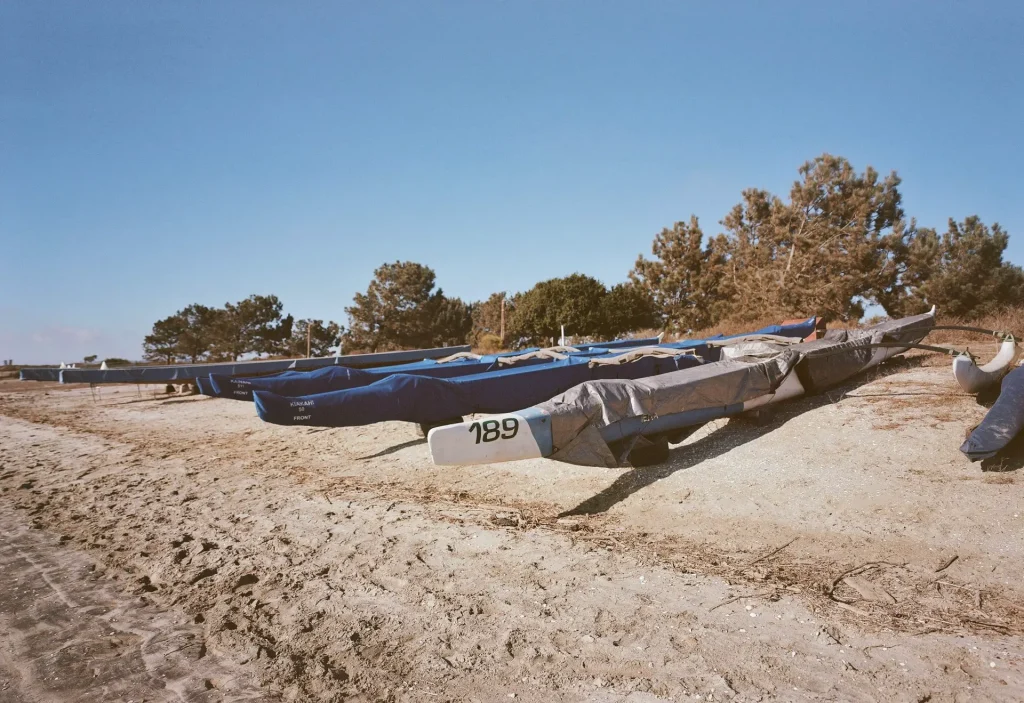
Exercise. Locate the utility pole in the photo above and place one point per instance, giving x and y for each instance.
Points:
(309, 338)
(502, 335)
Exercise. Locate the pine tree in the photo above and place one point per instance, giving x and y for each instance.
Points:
(627, 308)
(254, 325)
(452, 322)
(323, 338)
(826, 250)
(162, 343)
(684, 277)
(487, 316)
(197, 334)
(397, 311)
(963, 272)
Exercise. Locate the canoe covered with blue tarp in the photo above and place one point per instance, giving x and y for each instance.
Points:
(217, 384)
(43, 373)
(203, 385)
(336, 378)
(339, 378)
(423, 399)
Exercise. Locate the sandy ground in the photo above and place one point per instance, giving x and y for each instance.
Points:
(176, 548)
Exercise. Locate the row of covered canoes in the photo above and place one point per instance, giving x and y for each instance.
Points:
(433, 391)
(604, 404)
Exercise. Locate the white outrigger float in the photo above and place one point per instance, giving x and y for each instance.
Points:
(973, 378)
(609, 423)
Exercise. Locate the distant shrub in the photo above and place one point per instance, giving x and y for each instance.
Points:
(489, 343)
(117, 362)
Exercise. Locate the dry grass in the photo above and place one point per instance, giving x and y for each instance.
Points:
(725, 327)
(1007, 320)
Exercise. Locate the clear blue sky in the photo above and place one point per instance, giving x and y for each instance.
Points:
(158, 154)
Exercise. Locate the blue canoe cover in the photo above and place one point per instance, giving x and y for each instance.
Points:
(1003, 422)
(425, 399)
(224, 386)
(203, 385)
(338, 378)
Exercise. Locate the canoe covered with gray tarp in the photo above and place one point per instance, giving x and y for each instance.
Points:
(607, 422)
(584, 419)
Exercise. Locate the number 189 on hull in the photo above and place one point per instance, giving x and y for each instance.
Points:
(521, 435)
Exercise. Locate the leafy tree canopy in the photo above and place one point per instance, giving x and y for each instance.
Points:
(254, 325)
(323, 338)
(399, 309)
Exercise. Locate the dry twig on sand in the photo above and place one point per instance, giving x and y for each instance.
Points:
(773, 552)
(857, 570)
(736, 598)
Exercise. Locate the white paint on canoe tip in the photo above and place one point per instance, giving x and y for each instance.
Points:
(473, 443)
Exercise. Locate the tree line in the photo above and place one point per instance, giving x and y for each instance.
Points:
(840, 241)
(255, 325)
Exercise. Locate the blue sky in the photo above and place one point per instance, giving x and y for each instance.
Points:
(158, 154)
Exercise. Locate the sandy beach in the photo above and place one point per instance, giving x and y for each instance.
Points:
(176, 548)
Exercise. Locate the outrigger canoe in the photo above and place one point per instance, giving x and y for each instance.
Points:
(603, 422)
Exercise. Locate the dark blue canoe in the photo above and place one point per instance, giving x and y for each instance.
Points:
(337, 378)
(427, 400)
(341, 378)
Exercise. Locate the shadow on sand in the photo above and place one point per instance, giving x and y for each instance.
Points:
(395, 448)
(189, 399)
(729, 435)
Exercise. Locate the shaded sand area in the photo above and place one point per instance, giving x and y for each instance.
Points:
(841, 549)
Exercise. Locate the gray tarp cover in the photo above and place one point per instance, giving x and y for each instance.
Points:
(1004, 421)
(170, 374)
(578, 414)
(577, 439)
(823, 366)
